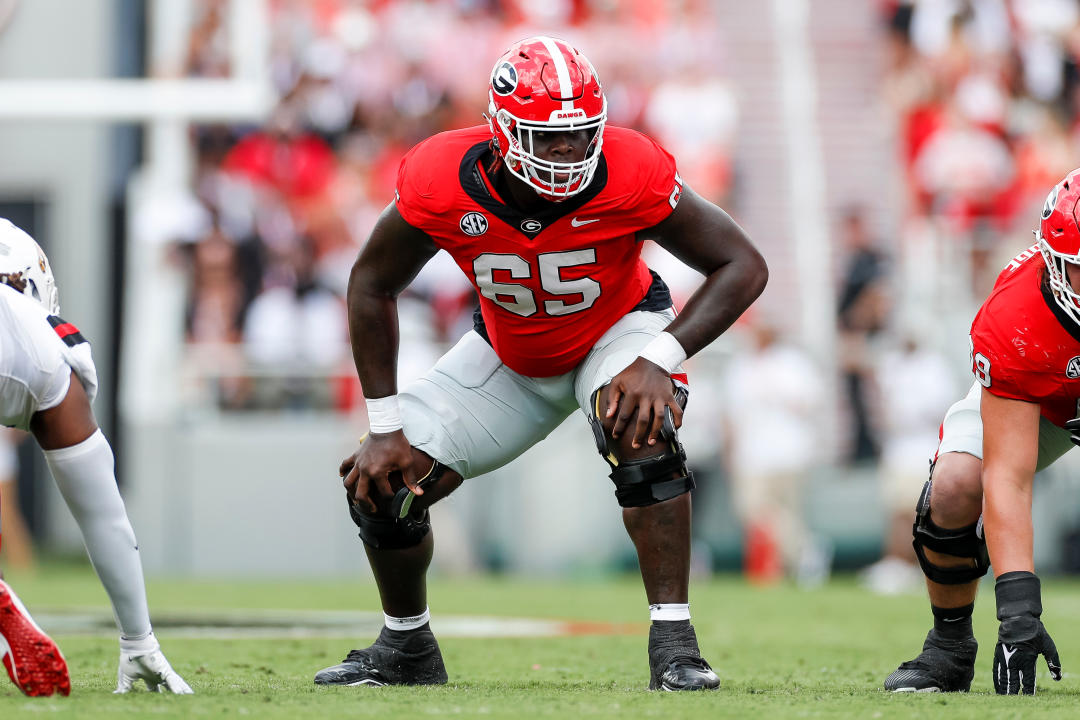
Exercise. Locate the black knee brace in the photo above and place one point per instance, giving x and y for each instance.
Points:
(391, 533)
(965, 542)
(403, 527)
(646, 481)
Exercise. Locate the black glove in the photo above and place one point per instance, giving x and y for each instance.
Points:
(1073, 426)
(1021, 636)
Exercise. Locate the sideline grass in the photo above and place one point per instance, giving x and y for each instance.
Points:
(780, 652)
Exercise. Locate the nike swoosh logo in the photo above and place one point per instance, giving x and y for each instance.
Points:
(578, 223)
(1007, 653)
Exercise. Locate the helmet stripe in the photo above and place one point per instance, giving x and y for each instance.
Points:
(566, 88)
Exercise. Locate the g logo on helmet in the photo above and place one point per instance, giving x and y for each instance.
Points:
(505, 79)
(473, 224)
(1051, 202)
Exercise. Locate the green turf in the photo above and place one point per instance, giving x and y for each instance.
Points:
(780, 652)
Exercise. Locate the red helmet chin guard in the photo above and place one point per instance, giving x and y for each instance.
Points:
(544, 85)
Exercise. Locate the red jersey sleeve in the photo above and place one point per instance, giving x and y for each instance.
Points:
(657, 185)
(1008, 367)
(419, 197)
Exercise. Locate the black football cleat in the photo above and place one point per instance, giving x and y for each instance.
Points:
(944, 665)
(675, 662)
(409, 657)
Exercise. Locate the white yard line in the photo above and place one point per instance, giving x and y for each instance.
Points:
(235, 624)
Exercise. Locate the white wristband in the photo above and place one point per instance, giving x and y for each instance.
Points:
(665, 351)
(383, 413)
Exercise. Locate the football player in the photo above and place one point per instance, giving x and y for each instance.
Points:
(545, 210)
(975, 511)
(47, 382)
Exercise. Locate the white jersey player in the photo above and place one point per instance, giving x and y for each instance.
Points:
(47, 382)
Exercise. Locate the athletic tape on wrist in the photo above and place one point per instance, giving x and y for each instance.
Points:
(665, 351)
(384, 415)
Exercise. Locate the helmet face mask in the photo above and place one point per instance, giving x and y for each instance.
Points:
(24, 267)
(543, 85)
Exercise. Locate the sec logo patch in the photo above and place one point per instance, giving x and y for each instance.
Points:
(473, 224)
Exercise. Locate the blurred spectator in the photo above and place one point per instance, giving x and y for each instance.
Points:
(215, 312)
(772, 405)
(296, 329)
(916, 386)
(862, 307)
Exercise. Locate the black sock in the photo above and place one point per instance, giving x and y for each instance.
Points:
(953, 623)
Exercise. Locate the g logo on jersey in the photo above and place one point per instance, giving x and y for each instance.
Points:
(473, 224)
(1073, 370)
(504, 80)
(1051, 201)
(532, 226)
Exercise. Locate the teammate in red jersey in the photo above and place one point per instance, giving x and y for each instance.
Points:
(1019, 417)
(545, 211)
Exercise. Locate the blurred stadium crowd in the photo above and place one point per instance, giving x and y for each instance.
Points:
(985, 94)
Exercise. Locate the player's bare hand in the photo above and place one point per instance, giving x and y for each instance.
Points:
(637, 398)
(366, 473)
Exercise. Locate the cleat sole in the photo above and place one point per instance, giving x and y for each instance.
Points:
(32, 660)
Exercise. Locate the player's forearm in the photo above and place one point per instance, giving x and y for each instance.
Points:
(721, 299)
(1007, 520)
(373, 334)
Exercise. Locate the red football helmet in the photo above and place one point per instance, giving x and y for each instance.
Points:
(545, 85)
(1059, 240)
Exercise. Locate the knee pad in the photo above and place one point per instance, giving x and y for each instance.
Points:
(391, 533)
(646, 481)
(403, 527)
(965, 542)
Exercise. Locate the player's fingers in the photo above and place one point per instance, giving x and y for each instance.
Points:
(676, 414)
(657, 424)
(362, 492)
(408, 475)
(614, 393)
(1027, 681)
(641, 425)
(177, 685)
(382, 484)
(624, 415)
(347, 465)
(350, 479)
(1053, 662)
(1015, 676)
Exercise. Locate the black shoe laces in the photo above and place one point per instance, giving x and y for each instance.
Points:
(358, 656)
(697, 662)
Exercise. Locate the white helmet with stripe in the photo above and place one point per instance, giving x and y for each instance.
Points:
(23, 266)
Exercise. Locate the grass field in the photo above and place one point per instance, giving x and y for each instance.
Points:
(251, 648)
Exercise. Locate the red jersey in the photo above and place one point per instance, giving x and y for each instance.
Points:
(553, 281)
(1024, 346)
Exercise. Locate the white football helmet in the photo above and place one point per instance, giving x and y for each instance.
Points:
(23, 266)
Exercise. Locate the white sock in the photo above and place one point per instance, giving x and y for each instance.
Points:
(84, 474)
(407, 623)
(669, 611)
